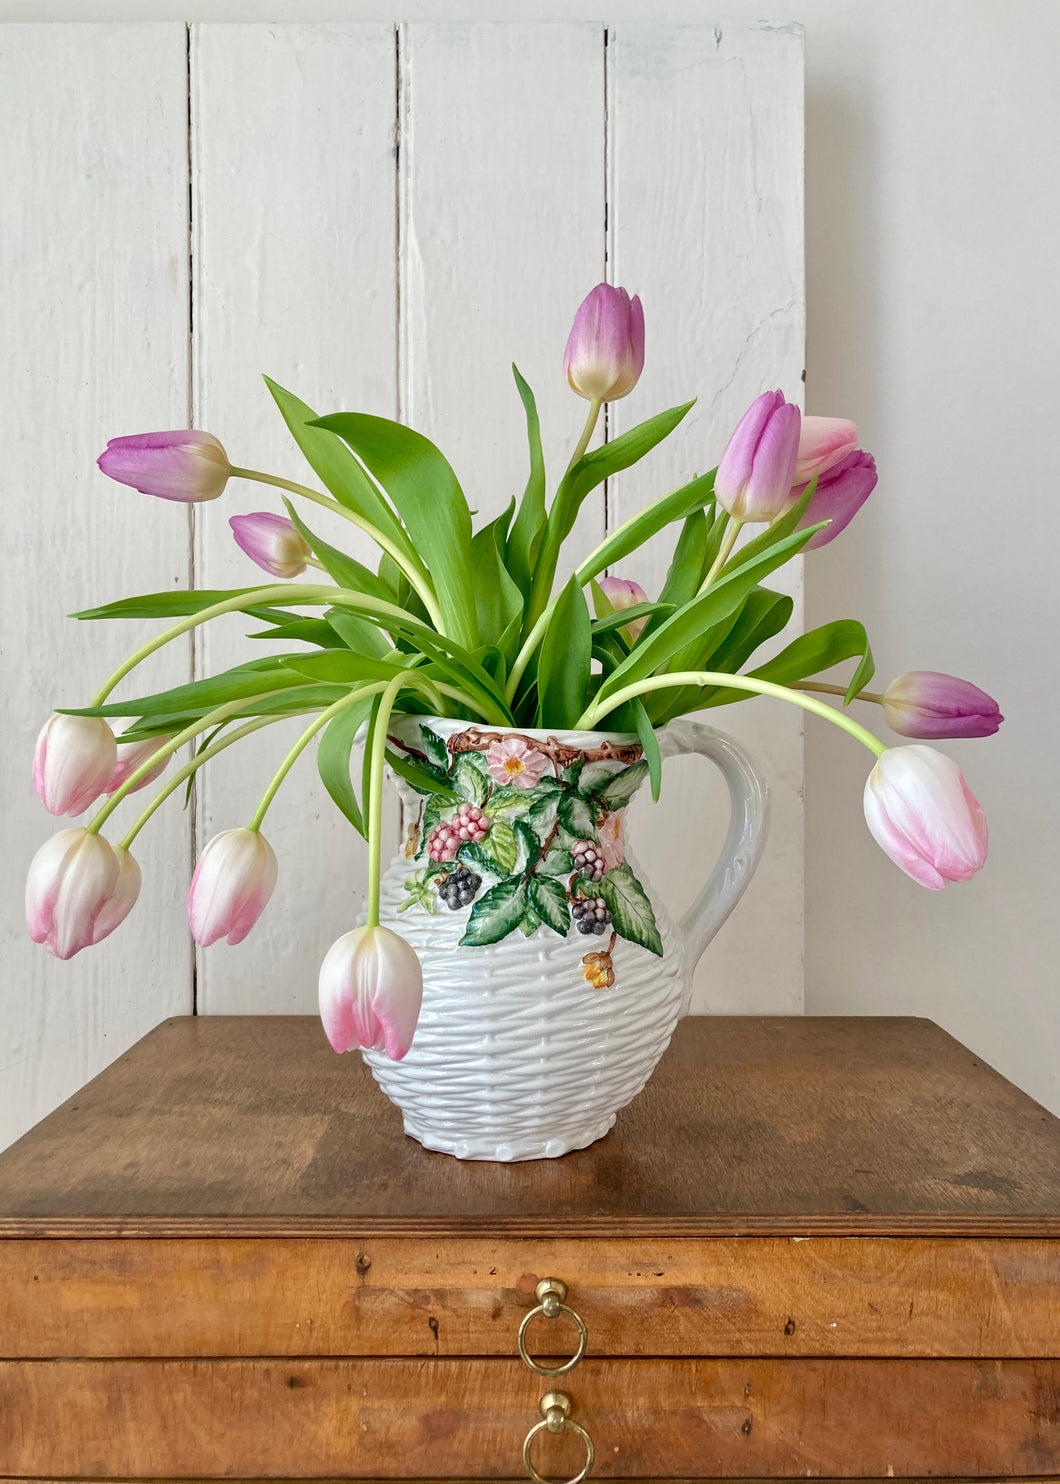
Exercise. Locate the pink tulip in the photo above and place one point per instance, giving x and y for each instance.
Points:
(182, 465)
(605, 349)
(131, 755)
(841, 491)
(233, 881)
(754, 478)
(925, 703)
(272, 541)
(122, 898)
(72, 880)
(922, 813)
(73, 762)
(623, 593)
(371, 988)
(823, 442)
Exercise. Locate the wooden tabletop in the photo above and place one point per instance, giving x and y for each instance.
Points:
(253, 1126)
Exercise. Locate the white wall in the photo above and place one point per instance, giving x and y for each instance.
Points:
(933, 132)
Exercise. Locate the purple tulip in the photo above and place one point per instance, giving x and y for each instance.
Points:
(754, 478)
(71, 881)
(920, 810)
(925, 703)
(622, 592)
(605, 349)
(371, 987)
(182, 465)
(841, 491)
(823, 442)
(233, 881)
(73, 762)
(272, 541)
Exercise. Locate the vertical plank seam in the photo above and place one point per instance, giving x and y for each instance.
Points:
(401, 360)
(608, 228)
(194, 402)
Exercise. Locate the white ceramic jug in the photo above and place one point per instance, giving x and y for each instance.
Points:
(528, 1046)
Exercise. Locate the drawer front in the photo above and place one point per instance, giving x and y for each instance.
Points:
(840, 1296)
(392, 1419)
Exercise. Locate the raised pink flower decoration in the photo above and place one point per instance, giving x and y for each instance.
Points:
(510, 761)
(921, 811)
(371, 987)
(612, 834)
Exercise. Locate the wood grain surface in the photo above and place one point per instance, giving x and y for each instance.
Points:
(252, 1126)
(435, 1418)
(865, 1296)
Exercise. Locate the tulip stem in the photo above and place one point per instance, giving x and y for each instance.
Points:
(374, 802)
(408, 561)
(287, 594)
(599, 709)
(203, 724)
(587, 432)
(303, 742)
(191, 767)
(837, 690)
(728, 541)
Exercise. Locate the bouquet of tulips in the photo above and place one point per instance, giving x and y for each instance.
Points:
(470, 624)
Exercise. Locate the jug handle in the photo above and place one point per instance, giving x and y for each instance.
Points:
(748, 827)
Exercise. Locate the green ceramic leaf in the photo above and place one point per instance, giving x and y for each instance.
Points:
(577, 816)
(434, 746)
(615, 791)
(502, 846)
(630, 908)
(468, 779)
(496, 913)
(549, 901)
(506, 801)
(424, 780)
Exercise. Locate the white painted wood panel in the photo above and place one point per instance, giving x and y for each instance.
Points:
(93, 321)
(502, 170)
(705, 222)
(293, 149)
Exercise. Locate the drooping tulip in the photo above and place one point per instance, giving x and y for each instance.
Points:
(841, 491)
(605, 349)
(180, 465)
(233, 881)
(73, 762)
(131, 755)
(622, 592)
(272, 541)
(823, 442)
(754, 478)
(71, 882)
(921, 811)
(371, 987)
(123, 895)
(926, 703)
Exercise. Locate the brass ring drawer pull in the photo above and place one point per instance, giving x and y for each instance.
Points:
(555, 1409)
(550, 1293)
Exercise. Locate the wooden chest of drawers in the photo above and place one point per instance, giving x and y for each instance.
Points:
(822, 1248)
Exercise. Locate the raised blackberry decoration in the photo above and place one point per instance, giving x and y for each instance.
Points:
(458, 888)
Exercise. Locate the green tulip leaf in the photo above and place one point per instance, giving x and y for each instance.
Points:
(565, 661)
(525, 536)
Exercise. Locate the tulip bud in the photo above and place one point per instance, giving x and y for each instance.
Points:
(922, 813)
(371, 987)
(182, 465)
(73, 762)
(841, 491)
(233, 881)
(925, 703)
(823, 442)
(754, 478)
(622, 593)
(123, 895)
(272, 541)
(131, 755)
(605, 349)
(72, 880)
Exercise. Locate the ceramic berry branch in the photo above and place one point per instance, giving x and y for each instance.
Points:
(519, 829)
